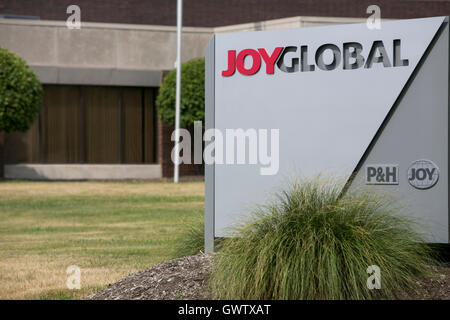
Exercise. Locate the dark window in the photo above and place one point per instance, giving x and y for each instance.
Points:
(89, 124)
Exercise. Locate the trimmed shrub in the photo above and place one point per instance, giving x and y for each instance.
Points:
(20, 93)
(191, 241)
(313, 243)
(192, 94)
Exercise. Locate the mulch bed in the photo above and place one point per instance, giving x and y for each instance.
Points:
(183, 278)
(436, 287)
(186, 279)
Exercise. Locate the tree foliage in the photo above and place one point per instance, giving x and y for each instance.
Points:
(192, 94)
(20, 93)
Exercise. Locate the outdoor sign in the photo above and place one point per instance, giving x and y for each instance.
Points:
(369, 105)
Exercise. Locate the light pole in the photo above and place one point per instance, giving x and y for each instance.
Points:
(178, 92)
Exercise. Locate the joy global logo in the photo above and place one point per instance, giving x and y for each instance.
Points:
(423, 174)
(294, 59)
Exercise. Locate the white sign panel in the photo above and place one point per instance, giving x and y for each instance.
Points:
(312, 101)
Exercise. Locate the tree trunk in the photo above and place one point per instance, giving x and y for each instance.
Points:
(2, 154)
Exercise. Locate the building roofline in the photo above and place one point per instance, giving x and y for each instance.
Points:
(298, 21)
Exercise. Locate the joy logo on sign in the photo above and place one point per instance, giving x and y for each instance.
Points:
(423, 174)
(239, 62)
(382, 174)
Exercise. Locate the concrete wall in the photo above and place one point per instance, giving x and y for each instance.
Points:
(119, 54)
(288, 23)
(98, 53)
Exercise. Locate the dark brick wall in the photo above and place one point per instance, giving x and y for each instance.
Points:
(209, 13)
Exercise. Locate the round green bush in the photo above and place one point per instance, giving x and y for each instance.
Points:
(20, 93)
(192, 94)
(312, 243)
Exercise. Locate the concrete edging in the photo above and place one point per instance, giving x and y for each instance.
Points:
(83, 171)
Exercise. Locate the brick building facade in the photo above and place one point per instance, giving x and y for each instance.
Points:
(214, 13)
(113, 67)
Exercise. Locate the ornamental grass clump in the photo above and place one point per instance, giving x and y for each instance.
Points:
(313, 243)
(191, 241)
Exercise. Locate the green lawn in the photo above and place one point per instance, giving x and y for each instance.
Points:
(108, 229)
